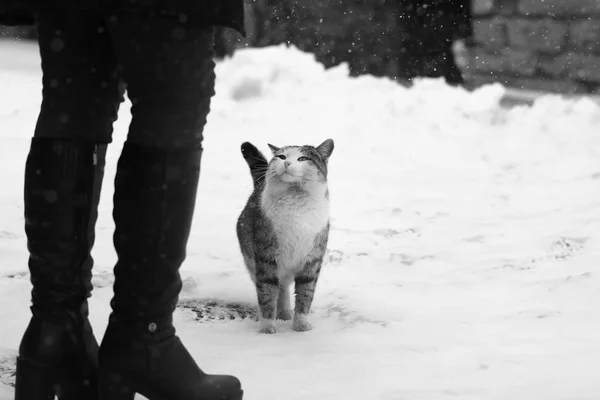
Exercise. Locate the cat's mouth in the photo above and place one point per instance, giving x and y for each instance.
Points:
(287, 176)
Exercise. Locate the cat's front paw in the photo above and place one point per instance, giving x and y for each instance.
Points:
(301, 324)
(267, 326)
(285, 315)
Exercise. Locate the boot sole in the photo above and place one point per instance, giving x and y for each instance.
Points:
(117, 387)
(34, 382)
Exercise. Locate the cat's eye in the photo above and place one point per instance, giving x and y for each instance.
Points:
(303, 159)
(281, 156)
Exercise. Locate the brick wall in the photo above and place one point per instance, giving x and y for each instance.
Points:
(551, 45)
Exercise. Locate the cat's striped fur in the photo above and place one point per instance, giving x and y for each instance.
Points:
(284, 229)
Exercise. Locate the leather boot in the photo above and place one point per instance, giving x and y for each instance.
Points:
(154, 201)
(58, 354)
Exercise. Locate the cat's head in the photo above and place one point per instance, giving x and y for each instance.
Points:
(300, 164)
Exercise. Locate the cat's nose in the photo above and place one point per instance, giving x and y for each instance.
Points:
(287, 163)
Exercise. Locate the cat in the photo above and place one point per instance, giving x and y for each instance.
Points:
(284, 228)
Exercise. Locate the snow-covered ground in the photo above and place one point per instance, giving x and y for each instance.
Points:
(464, 257)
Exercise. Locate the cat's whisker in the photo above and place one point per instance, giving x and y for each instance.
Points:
(260, 177)
(259, 159)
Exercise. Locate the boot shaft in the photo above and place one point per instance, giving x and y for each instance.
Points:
(63, 179)
(154, 202)
(62, 189)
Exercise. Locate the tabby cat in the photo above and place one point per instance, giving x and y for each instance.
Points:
(284, 228)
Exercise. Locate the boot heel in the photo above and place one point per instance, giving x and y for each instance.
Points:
(34, 382)
(114, 387)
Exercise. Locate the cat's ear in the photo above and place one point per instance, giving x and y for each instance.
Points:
(273, 148)
(252, 155)
(325, 149)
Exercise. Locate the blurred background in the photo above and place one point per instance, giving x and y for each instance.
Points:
(538, 45)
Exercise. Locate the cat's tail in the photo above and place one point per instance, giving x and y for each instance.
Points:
(256, 161)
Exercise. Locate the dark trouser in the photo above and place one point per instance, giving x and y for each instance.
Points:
(436, 61)
(88, 60)
(429, 29)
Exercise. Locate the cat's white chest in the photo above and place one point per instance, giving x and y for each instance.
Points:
(296, 223)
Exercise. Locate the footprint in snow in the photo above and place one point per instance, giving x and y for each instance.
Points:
(17, 275)
(508, 173)
(8, 369)
(565, 248)
(102, 279)
(579, 277)
(189, 285)
(209, 310)
(548, 314)
(539, 314)
(349, 317)
(406, 259)
(475, 239)
(517, 266)
(6, 235)
(218, 310)
(386, 233)
(389, 233)
(560, 250)
(333, 257)
(99, 279)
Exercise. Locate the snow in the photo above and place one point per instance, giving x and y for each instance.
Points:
(463, 256)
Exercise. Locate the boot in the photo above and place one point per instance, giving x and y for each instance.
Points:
(58, 354)
(154, 200)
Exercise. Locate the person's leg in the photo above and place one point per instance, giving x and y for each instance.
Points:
(63, 177)
(429, 27)
(169, 71)
(437, 61)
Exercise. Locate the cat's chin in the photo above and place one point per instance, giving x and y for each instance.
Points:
(289, 178)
